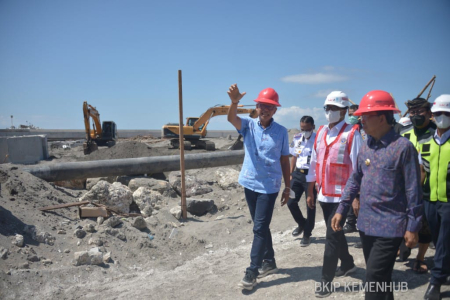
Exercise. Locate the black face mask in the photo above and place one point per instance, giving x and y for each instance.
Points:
(417, 120)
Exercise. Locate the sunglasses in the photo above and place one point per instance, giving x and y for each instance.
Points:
(265, 106)
(438, 113)
(331, 107)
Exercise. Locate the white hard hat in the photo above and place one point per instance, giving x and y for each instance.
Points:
(442, 103)
(337, 98)
(405, 121)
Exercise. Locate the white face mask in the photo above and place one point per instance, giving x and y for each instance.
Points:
(333, 116)
(442, 121)
(307, 134)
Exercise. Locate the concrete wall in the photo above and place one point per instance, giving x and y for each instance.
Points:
(24, 149)
(68, 134)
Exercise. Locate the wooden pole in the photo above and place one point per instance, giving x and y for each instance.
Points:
(181, 134)
(431, 88)
(429, 82)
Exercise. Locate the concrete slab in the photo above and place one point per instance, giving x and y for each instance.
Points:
(27, 149)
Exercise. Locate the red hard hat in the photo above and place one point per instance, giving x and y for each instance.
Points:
(268, 96)
(376, 101)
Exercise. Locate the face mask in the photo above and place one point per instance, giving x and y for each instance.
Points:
(417, 120)
(307, 134)
(333, 116)
(442, 121)
(353, 120)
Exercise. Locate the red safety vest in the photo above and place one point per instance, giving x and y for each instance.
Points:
(333, 163)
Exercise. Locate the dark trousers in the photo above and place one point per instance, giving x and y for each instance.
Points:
(261, 209)
(336, 246)
(438, 216)
(351, 217)
(299, 185)
(380, 254)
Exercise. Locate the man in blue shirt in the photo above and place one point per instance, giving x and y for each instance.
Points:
(266, 161)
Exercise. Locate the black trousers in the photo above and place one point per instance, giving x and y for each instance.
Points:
(438, 215)
(351, 217)
(300, 186)
(380, 254)
(336, 246)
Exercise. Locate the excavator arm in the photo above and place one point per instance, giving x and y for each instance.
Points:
(91, 112)
(219, 111)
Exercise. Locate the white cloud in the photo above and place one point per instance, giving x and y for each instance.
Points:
(290, 117)
(314, 78)
(322, 93)
(328, 68)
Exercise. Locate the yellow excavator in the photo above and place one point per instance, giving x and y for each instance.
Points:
(195, 128)
(101, 134)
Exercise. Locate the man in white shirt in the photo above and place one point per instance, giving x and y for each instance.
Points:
(333, 159)
(300, 149)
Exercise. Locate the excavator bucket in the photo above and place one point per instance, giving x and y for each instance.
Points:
(238, 145)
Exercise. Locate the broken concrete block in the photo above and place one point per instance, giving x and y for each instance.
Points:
(18, 240)
(79, 233)
(176, 212)
(92, 257)
(90, 182)
(193, 185)
(139, 223)
(227, 178)
(27, 149)
(199, 207)
(41, 237)
(116, 196)
(112, 222)
(146, 199)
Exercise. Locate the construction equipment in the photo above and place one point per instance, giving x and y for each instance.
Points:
(101, 134)
(195, 128)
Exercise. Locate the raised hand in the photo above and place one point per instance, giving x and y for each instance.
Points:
(234, 94)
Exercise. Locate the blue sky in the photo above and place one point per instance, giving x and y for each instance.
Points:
(123, 56)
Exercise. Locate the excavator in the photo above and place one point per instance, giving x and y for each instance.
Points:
(195, 128)
(104, 134)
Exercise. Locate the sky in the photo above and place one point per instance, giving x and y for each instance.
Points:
(123, 56)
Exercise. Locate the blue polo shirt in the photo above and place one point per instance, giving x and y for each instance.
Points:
(261, 170)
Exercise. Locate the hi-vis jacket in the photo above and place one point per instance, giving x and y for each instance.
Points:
(333, 164)
(436, 162)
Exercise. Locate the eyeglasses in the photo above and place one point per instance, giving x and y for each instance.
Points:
(367, 115)
(331, 107)
(438, 113)
(417, 111)
(265, 106)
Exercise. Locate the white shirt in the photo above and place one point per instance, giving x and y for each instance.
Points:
(331, 136)
(302, 148)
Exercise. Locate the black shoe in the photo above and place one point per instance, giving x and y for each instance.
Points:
(323, 290)
(358, 245)
(305, 242)
(249, 281)
(433, 292)
(349, 228)
(341, 272)
(268, 267)
(297, 231)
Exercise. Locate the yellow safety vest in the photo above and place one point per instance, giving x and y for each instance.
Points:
(436, 162)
